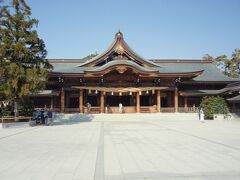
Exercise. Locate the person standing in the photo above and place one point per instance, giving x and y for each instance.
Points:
(120, 108)
(201, 115)
(88, 107)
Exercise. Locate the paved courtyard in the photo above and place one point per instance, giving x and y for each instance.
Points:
(128, 146)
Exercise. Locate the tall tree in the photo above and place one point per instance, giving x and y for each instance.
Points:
(23, 61)
(90, 56)
(229, 66)
(236, 62)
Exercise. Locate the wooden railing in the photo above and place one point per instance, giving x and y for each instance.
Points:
(7, 120)
(56, 109)
(181, 109)
(93, 110)
(129, 109)
(188, 109)
(148, 109)
(192, 109)
(71, 109)
(167, 109)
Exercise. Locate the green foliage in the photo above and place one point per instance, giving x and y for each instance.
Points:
(26, 108)
(229, 66)
(6, 111)
(90, 56)
(213, 105)
(23, 63)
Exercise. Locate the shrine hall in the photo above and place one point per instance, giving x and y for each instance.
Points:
(121, 76)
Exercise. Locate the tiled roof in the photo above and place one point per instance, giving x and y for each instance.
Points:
(210, 73)
(234, 99)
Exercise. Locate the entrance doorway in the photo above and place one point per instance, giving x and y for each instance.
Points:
(116, 100)
(93, 100)
(73, 102)
(145, 100)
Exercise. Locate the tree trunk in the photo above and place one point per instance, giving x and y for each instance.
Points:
(15, 110)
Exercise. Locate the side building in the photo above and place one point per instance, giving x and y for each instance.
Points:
(119, 75)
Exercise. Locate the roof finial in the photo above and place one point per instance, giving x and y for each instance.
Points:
(119, 34)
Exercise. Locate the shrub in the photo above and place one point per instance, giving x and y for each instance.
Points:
(6, 111)
(213, 105)
(26, 108)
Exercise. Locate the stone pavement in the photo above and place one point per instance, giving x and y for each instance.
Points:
(126, 146)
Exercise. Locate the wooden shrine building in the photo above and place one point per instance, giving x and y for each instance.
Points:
(119, 75)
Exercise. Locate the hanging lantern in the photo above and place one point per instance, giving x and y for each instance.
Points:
(130, 93)
(147, 91)
(153, 91)
(120, 93)
(89, 91)
(112, 93)
(96, 92)
(140, 93)
(104, 93)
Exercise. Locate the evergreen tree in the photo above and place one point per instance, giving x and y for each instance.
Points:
(90, 56)
(229, 66)
(23, 64)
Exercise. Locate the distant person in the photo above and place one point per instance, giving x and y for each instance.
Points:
(201, 115)
(120, 108)
(107, 109)
(88, 107)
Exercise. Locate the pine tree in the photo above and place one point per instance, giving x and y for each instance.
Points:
(23, 63)
(229, 66)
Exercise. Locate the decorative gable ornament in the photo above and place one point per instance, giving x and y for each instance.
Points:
(119, 49)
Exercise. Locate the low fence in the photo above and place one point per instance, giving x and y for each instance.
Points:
(8, 120)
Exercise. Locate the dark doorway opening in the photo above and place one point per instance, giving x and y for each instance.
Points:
(115, 100)
(74, 102)
(164, 102)
(93, 100)
(145, 100)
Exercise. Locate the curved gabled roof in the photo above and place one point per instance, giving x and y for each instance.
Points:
(127, 63)
(119, 46)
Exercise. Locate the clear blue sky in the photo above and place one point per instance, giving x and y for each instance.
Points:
(153, 28)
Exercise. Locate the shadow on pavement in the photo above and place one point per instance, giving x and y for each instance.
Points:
(69, 119)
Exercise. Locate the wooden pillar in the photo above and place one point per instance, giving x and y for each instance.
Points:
(137, 102)
(62, 101)
(102, 102)
(81, 101)
(176, 100)
(158, 101)
(185, 104)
